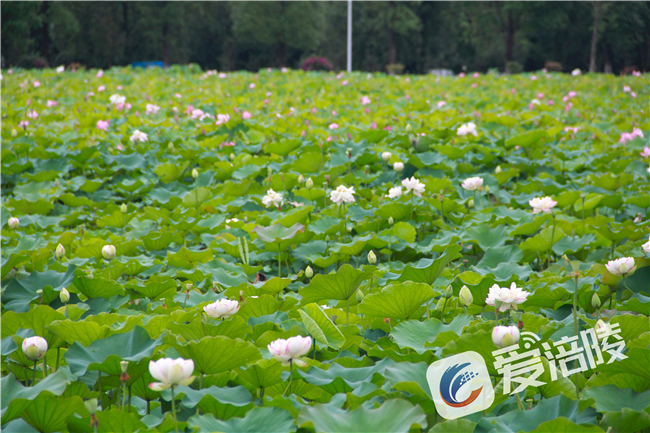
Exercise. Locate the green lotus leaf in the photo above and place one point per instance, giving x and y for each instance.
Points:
(339, 285)
(16, 397)
(277, 232)
(426, 270)
(423, 336)
(393, 416)
(397, 301)
(259, 419)
(321, 327)
(213, 355)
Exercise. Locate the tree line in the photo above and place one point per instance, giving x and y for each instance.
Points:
(413, 37)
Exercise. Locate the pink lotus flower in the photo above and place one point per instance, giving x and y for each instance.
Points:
(266, 101)
(571, 129)
(32, 114)
(635, 73)
(222, 119)
(474, 85)
(407, 97)
(290, 349)
(103, 124)
(475, 75)
(367, 110)
(625, 137)
(365, 100)
(565, 99)
(388, 128)
(646, 152)
(251, 86)
(461, 75)
(246, 115)
(333, 126)
(626, 89)
(540, 96)
(622, 266)
(51, 103)
(632, 94)
(23, 124)
(572, 94)
(329, 138)
(441, 104)
(636, 132)
(333, 112)
(37, 84)
(373, 125)
(178, 95)
(550, 102)
(534, 77)
(513, 91)
(119, 147)
(100, 74)
(226, 143)
(10, 71)
(509, 297)
(101, 88)
(568, 106)
(314, 110)
(268, 94)
(303, 133)
(344, 83)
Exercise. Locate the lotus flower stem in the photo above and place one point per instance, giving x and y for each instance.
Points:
(25, 372)
(552, 238)
(279, 262)
(174, 410)
(34, 376)
(575, 325)
(520, 405)
(129, 398)
(442, 316)
(56, 368)
(412, 197)
(290, 374)
(347, 311)
(44, 366)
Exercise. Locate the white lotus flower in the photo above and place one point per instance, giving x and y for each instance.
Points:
(117, 99)
(60, 69)
(222, 308)
(646, 246)
(398, 166)
(472, 183)
(394, 192)
(35, 348)
(386, 156)
(171, 372)
(413, 185)
(272, 198)
(509, 297)
(222, 118)
(342, 194)
(290, 349)
(622, 266)
(542, 204)
(504, 336)
(138, 136)
(467, 128)
(576, 72)
(152, 109)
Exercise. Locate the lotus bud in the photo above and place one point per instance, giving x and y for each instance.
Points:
(595, 301)
(14, 132)
(504, 336)
(91, 406)
(309, 184)
(35, 348)
(301, 179)
(327, 238)
(448, 292)
(64, 296)
(13, 223)
(408, 128)
(109, 252)
(465, 296)
(600, 327)
(470, 203)
(232, 156)
(123, 208)
(386, 156)
(359, 296)
(398, 166)
(309, 272)
(498, 169)
(487, 188)
(170, 146)
(372, 257)
(60, 251)
(391, 221)
(195, 173)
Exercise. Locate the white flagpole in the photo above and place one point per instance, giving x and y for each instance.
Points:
(349, 35)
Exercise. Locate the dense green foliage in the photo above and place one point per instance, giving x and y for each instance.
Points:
(185, 211)
(253, 35)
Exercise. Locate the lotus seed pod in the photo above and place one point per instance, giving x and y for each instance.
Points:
(309, 272)
(64, 295)
(372, 258)
(195, 173)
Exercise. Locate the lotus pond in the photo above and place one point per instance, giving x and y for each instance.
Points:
(165, 231)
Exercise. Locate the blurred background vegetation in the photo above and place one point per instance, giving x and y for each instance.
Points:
(415, 37)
